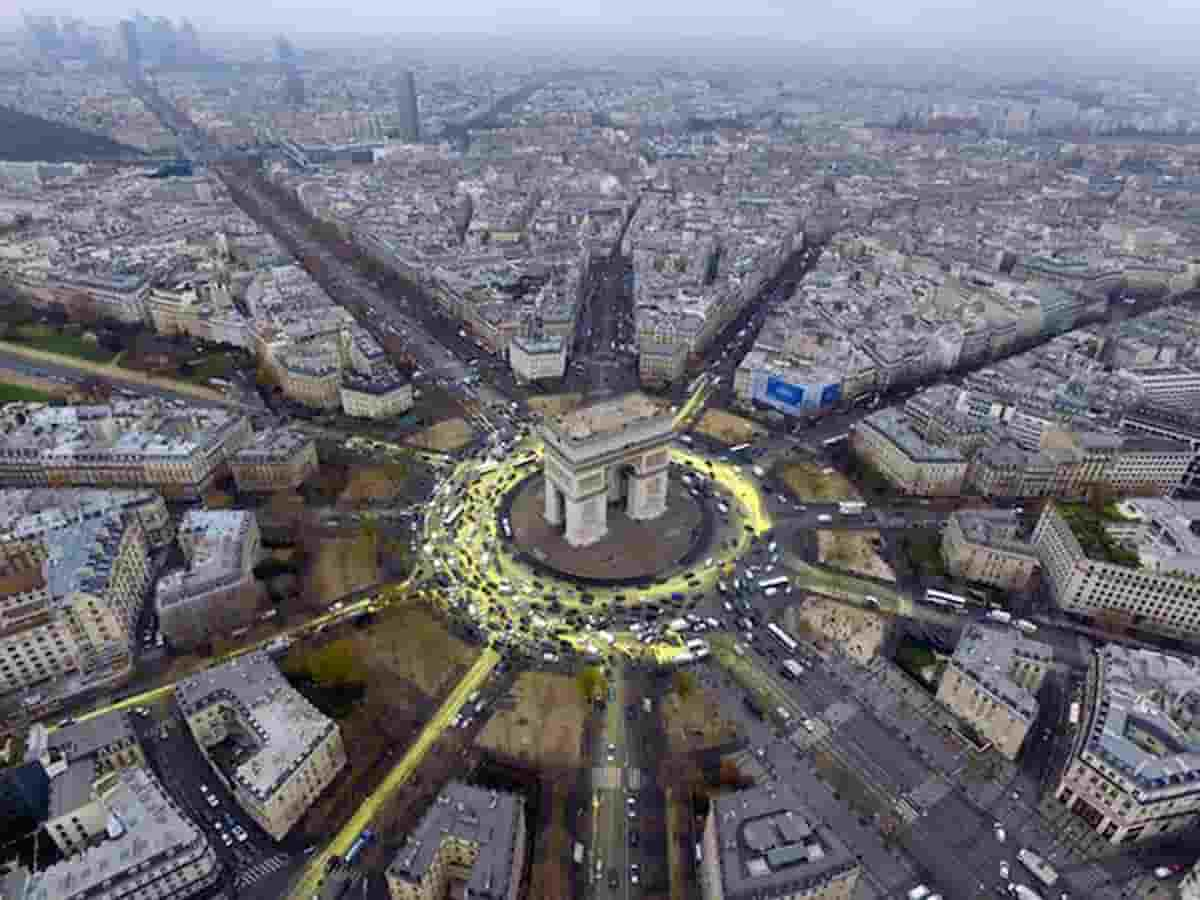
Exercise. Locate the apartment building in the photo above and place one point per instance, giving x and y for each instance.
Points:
(73, 609)
(762, 843)
(273, 749)
(29, 514)
(1168, 385)
(217, 592)
(141, 844)
(1089, 572)
(983, 546)
(180, 451)
(202, 310)
(992, 683)
(887, 441)
(534, 358)
(468, 835)
(1134, 769)
(377, 396)
(275, 459)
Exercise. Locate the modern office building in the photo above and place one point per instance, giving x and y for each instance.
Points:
(762, 843)
(275, 459)
(616, 450)
(983, 546)
(408, 116)
(1092, 573)
(469, 843)
(273, 749)
(888, 442)
(992, 683)
(1134, 769)
(216, 593)
(139, 844)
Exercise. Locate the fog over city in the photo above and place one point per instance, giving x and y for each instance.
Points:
(1078, 27)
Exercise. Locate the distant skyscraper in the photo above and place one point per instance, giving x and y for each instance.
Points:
(408, 120)
(129, 37)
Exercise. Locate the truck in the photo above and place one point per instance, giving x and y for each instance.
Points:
(1038, 867)
(851, 507)
(1000, 615)
(1026, 626)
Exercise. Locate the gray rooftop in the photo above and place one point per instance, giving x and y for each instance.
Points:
(486, 818)
(771, 846)
(995, 528)
(151, 828)
(896, 427)
(272, 444)
(988, 656)
(1146, 719)
(71, 789)
(91, 736)
(284, 725)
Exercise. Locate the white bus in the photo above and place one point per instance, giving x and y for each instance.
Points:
(836, 439)
(782, 636)
(777, 581)
(1073, 717)
(454, 516)
(739, 448)
(1038, 867)
(793, 669)
(942, 598)
(851, 507)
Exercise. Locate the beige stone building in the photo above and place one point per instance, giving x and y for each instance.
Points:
(762, 843)
(469, 843)
(217, 592)
(983, 546)
(887, 441)
(204, 311)
(992, 683)
(537, 358)
(73, 607)
(1134, 769)
(376, 397)
(275, 459)
(611, 451)
(288, 751)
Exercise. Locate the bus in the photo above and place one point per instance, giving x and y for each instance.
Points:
(1026, 626)
(739, 448)
(782, 636)
(942, 598)
(578, 855)
(1073, 718)
(792, 669)
(1038, 867)
(777, 581)
(836, 439)
(454, 516)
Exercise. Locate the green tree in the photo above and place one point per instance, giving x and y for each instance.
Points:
(591, 682)
(336, 664)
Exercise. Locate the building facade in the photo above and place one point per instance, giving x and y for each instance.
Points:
(469, 835)
(1134, 769)
(289, 752)
(276, 459)
(992, 683)
(887, 441)
(1089, 583)
(982, 546)
(537, 358)
(603, 454)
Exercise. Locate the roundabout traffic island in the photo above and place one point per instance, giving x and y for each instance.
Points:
(631, 551)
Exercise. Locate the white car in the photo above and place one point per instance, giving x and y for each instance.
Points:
(1004, 869)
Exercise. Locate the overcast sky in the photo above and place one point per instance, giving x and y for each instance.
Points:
(1105, 25)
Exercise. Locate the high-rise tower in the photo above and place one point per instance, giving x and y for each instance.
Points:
(408, 119)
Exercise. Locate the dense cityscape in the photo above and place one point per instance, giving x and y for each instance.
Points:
(441, 468)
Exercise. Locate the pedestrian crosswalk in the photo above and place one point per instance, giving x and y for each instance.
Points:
(261, 869)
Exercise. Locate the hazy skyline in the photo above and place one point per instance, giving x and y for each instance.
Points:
(1104, 26)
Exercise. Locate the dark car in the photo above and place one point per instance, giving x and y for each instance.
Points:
(633, 839)
(613, 880)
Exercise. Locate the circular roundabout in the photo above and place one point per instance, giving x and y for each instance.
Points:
(493, 564)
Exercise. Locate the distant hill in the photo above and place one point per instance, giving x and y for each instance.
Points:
(34, 139)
